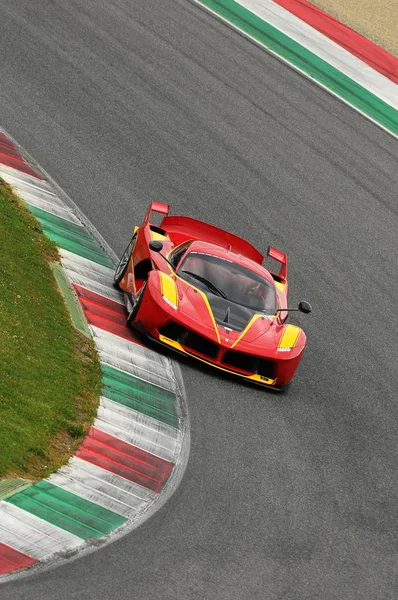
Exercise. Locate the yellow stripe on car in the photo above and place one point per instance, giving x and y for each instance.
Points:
(171, 343)
(289, 336)
(168, 288)
(177, 346)
(155, 235)
(210, 313)
(261, 379)
(280, 286)
(246, 329)
(207, 305)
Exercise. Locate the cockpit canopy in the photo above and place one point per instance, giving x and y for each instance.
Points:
(234, 282)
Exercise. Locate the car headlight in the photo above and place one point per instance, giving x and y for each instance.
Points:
(289, 338)
(170, 303)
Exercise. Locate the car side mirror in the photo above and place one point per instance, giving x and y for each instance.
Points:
(156, 246)
(305, 307)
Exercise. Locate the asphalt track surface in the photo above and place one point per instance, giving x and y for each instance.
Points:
(284, 497)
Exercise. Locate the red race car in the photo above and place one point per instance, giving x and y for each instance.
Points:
(204, 292)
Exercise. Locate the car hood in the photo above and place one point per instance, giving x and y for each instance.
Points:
(226, 314)
(234, 316)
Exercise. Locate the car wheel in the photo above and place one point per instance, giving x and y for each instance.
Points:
(123, 264)
(134, 312)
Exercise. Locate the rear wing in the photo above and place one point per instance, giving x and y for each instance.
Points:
(281, 258)
(181, 229)
(156, 207)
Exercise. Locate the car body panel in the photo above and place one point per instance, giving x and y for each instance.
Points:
(186, 316)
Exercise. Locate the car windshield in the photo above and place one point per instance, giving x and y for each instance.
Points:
(229, 280)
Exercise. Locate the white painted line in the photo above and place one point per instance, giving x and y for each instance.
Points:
(138, 441)
(94, 286)
(17, 178)
(24, 189)
(84, 490)
(154, 376)
(54, 209)
(119, 346)
(325, 48)
(103, 278)
(127, 415)
(76, 262)
(126, 491)
(29, 534)
(135, 433)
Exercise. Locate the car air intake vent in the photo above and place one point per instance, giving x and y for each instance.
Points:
(252, 364)
(190, 339)
(173, 331)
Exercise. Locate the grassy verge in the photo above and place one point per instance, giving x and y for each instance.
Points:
(49, 373)
(375, 20)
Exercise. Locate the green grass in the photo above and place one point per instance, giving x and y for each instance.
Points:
(50, 377)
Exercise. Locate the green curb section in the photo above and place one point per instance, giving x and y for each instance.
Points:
(67, 510)
(9, 487)
(78, 249)
(80, 238)
(71, 300)
(139, 395)
(308, 62)
(47, 217)
(71, 236)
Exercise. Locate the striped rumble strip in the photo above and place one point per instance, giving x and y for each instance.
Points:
(135, 442)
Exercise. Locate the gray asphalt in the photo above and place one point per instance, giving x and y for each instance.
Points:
(285, 497)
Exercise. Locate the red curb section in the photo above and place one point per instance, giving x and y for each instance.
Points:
(11, 559)
(105, 313)
(11, 157)
(380, 60)
(84, 293)
(125, 460)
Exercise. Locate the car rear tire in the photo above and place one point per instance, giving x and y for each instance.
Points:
(123, 264)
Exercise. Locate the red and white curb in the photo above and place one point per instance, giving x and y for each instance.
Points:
(136, 451)
(368, 52)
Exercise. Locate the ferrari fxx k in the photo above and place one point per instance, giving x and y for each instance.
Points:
(205, 293)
